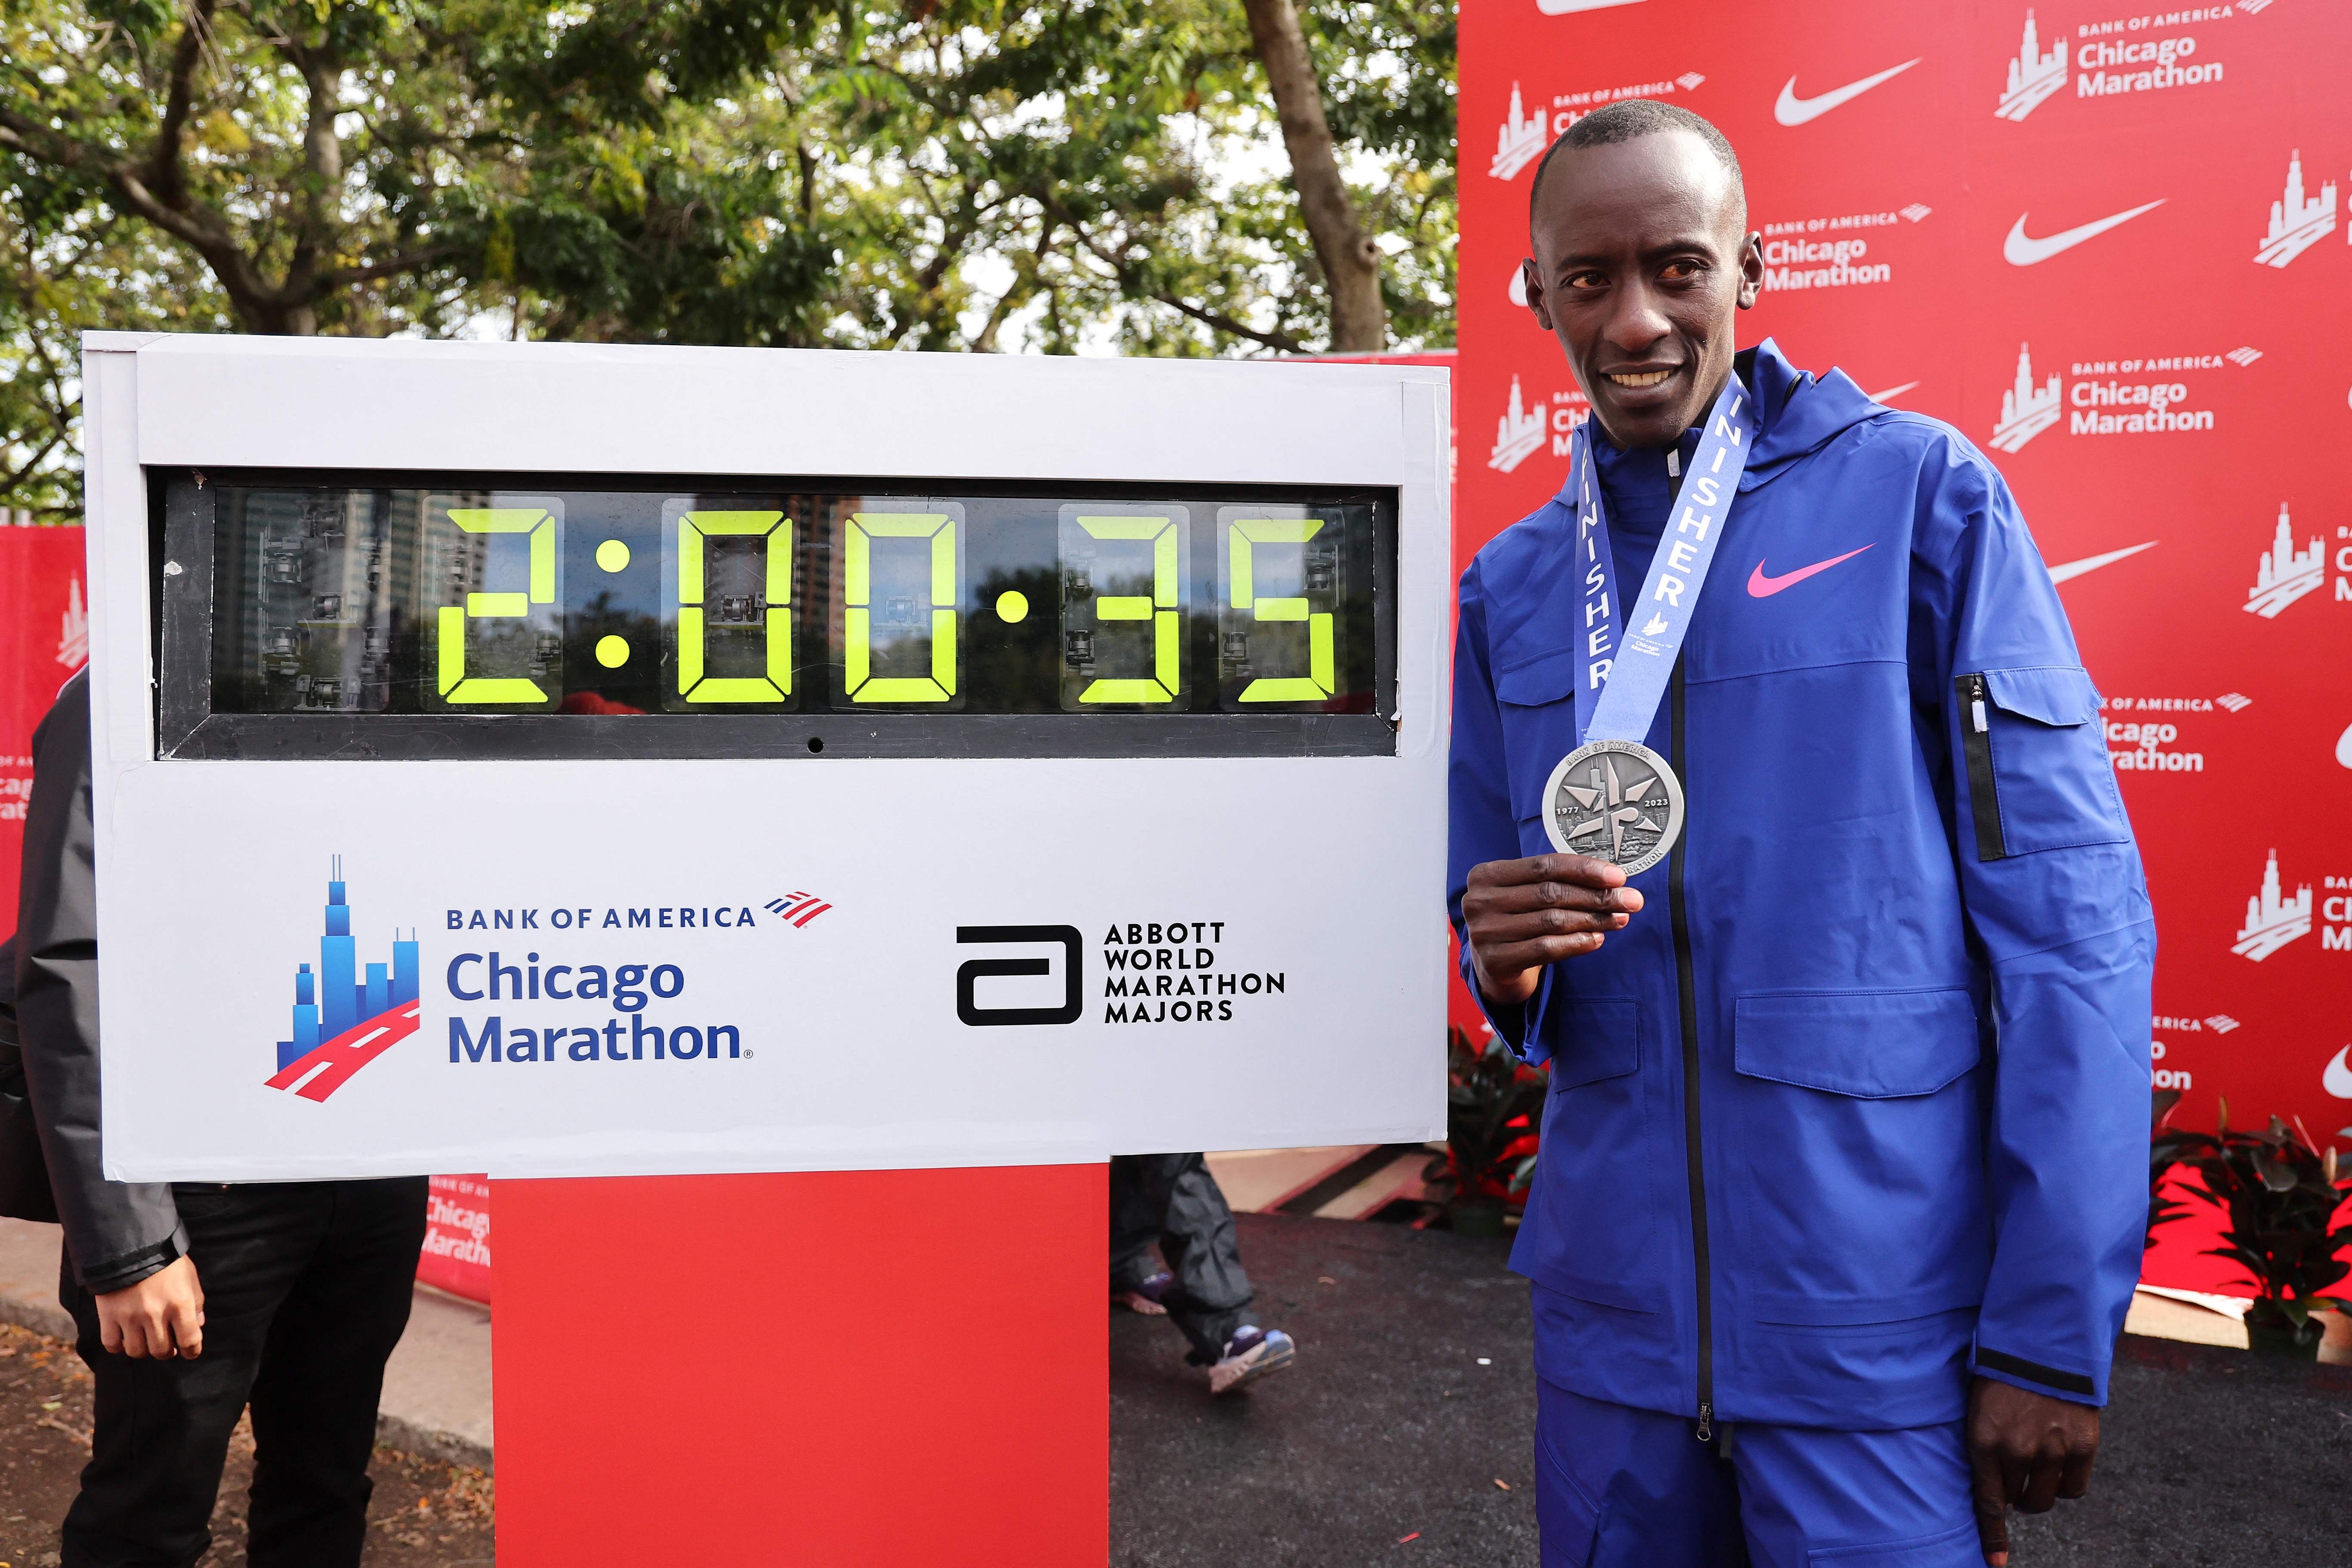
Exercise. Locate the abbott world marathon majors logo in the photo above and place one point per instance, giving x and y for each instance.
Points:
(2139, 396)
(1153, 972)
(1527, 129)
(2115, 57)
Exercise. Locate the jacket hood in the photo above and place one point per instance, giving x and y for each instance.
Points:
(1796, 413)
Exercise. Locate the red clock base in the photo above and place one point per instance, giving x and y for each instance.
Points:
(879, 1368)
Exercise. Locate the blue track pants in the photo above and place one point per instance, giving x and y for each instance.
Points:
(1621, 1488)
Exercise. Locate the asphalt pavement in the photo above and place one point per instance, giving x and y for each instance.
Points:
(1389, 1428)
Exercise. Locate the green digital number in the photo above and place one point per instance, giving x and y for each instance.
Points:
(1241, 542)
(694, 609)
(452, 681)
(1160, 610)
(858, 680)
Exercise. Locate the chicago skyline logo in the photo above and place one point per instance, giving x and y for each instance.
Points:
(1526, 132)
(2033, 77)
(1521, 141)
(2026, 410)
(1518, 434)
(73, 631)
(2283, 574)
(2272, 921)
(2297, 221)
(345, 1020)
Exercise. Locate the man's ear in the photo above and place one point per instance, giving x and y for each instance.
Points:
(1751, 270)
(1531, 285)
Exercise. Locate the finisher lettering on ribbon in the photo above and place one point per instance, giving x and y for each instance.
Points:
(1629, 649)
(1613, 798)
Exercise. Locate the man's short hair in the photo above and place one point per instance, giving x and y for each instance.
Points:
(1629, 120)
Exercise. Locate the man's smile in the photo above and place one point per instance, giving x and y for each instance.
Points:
(1637, 377)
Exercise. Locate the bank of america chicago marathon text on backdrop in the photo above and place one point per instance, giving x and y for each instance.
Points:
(645, 1016)
(1174, 972)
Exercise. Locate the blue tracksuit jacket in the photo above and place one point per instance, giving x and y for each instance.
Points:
(1858, 1101)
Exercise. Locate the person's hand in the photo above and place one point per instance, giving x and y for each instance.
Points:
(162, 1315)
(1522, 915)
(2026, 1450)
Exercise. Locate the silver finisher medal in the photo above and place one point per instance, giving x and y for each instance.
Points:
(1613, 798)
(1615, 801)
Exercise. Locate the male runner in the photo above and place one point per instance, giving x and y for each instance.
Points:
(1840, 1199)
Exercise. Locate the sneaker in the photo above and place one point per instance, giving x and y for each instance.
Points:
(1144, 1296)
(1250, 1354)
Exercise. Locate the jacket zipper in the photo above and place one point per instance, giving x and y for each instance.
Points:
(1687, 983)
(1976, 744)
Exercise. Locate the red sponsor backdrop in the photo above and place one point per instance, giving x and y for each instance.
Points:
(456, 1256)
(44, 639)
(2110, 245)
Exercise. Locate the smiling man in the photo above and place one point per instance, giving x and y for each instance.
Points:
(1805, 870)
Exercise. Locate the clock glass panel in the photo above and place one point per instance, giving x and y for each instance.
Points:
(486, 598)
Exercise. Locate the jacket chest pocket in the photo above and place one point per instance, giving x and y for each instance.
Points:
(2038, 778)
(1538, 698)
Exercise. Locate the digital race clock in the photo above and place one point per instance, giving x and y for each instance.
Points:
(800, 611)
(572, 760)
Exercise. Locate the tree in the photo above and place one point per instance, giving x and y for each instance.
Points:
(1351, 260)
(348, 164)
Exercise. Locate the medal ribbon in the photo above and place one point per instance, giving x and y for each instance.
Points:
(1628, 650)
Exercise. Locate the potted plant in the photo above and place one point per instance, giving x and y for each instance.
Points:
(2281, 1195)
(1494, 1106)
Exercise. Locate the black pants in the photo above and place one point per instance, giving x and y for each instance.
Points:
(306, 1286)
(1172, 1199)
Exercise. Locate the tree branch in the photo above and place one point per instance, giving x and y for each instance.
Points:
(1352, 261)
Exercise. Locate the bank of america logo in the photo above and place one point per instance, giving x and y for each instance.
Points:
(797, 909)
(2026, 410)
(2297, 221)
(2236, 702)
(2283, 573)
(1520, 141)
(2272, 922)
(2221, 1023)
(2032, 76)
(1518, 434)
(343, 1020)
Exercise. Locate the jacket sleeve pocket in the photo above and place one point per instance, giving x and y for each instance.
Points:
(2036, 760)
(1593, 1039)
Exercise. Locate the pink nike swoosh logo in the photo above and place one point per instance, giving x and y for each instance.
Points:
(1762, 587)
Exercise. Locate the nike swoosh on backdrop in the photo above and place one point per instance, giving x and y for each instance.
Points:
(2092, 562)
(2337, 1077)
(1890, 392)
(1791, 109)
(2021, 249)
(1762, 587)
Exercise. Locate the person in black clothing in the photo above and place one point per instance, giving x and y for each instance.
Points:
(1173, 1200)
(193, 1299)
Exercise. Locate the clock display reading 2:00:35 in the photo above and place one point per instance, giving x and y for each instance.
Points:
(423, 599)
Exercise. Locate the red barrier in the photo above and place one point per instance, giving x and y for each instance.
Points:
(44, 639)
(2109, 247)
(456, 1256)
(904, 1366)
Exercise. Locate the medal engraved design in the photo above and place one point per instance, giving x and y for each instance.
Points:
(1615, 801)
